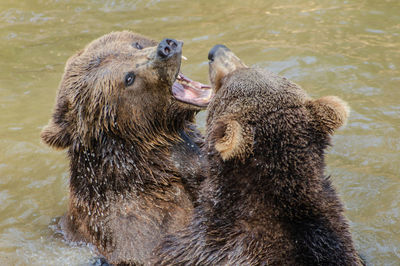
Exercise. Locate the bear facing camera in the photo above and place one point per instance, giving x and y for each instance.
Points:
(125, 114)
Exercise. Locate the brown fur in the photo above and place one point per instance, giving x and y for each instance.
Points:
(266, 200)
(126, 189)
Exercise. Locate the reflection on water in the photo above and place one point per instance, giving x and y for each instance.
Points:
(345, 48)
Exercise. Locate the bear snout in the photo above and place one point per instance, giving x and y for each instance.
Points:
(213, 51)
(222, 61)
(168, 47)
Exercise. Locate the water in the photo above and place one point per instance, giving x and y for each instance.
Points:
(346, 48)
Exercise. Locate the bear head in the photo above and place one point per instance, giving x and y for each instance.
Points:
(121, 85)
(257, 112)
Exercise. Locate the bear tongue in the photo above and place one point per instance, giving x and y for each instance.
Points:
(191, 92)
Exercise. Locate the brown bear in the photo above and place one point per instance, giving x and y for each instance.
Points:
(266, 200)
(124, 133)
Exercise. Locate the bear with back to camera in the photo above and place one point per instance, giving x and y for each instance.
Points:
(125, 113)
(265, 200)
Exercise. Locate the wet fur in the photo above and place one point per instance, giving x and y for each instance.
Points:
(268, 203)
(126, 190)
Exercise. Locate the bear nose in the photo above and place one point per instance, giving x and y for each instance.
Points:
(168, 47)
(215, 49)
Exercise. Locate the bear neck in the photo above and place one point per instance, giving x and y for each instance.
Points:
(116, 166)
(290, 186)
(178, 117)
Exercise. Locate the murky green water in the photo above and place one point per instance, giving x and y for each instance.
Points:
(345, 48)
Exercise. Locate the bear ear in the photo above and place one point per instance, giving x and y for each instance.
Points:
(231, 139)
(55, 136)
(330, 112)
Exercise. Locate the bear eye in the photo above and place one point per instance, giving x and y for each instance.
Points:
(129, 79)
(138, 46)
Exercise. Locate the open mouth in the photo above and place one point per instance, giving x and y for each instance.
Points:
(191, 92)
